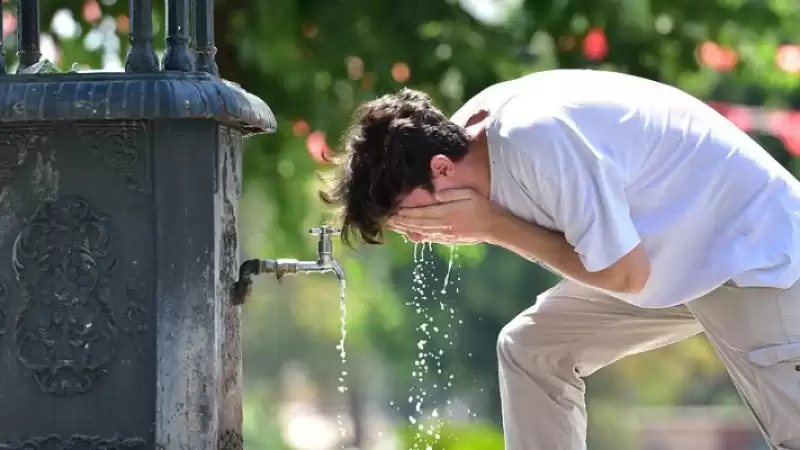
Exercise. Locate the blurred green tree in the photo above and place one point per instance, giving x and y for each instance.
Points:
(313, 61)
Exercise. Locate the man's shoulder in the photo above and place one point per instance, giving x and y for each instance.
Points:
(487, 99)
(520, 121)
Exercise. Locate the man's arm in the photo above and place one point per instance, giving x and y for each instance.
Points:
(465, 216)
(627, 275)
(583, 190)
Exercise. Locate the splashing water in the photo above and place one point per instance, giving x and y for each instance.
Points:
(449, 269)
(431, 380)
(342, 353)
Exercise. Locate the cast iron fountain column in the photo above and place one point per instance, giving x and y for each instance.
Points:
(119, 245)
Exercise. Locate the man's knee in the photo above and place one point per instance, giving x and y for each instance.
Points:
(526, 344)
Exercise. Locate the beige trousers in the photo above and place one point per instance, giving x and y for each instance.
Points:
(572, 331)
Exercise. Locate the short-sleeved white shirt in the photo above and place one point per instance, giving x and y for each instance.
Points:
(612, 160)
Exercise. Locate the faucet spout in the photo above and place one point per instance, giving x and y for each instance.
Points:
(281, 267)
(338, 270)
(310, 267)
(330, 265)
(321, 267)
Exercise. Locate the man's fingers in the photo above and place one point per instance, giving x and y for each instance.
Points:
(429, 212)
(450, 200)
(420, 225)
(399, 221)
(416, 238)
(436, 212)
(454, 195)
(422, 234)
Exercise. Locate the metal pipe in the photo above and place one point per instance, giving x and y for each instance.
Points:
(178, 56)
(28, 33)
(141, 56)
(282, 267)
(204, 30)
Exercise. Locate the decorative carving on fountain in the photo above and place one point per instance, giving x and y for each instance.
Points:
(66, 332)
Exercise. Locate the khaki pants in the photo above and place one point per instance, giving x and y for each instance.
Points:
(572, 331)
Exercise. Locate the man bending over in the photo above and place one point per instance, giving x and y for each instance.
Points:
(664, 219)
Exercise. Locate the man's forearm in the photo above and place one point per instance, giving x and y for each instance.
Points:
(548, 248)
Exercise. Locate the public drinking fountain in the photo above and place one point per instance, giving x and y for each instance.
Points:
(289, 266)
(119, 241)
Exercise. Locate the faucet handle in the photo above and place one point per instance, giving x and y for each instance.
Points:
(325, 243)
(325, 230)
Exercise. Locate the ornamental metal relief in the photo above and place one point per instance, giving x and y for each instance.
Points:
(15, 146)
(118, 146)
(76, 442)
(66, 331)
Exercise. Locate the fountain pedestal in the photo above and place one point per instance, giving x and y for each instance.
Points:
(119, 249)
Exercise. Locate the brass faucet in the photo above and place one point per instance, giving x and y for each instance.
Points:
(287, 266)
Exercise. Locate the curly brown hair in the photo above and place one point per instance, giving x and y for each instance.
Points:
(386, 154)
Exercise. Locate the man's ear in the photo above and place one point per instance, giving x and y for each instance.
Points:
(442, 166)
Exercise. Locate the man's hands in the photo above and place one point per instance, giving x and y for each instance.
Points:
(464, 217)
(461, 217)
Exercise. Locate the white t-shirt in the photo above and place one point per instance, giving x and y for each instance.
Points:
(611, 160)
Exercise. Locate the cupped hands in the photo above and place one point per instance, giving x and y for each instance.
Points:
(462, 216)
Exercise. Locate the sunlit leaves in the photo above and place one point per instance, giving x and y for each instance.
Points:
(313, 61)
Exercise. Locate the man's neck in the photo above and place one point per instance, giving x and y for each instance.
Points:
(478, 159)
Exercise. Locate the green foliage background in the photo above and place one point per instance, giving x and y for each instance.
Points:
(313, 61)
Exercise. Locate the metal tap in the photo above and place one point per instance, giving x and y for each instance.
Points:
(289, 266)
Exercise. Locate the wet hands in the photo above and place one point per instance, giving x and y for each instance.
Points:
(461, 217)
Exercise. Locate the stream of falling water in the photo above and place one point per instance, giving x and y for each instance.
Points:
(343, 354)
(427, 419)
(431, 381)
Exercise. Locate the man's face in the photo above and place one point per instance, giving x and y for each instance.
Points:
(416, 198)
(445, 176)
